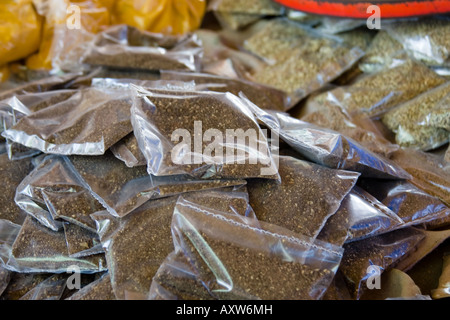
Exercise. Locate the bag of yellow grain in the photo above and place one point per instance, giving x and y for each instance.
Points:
(20, 29)
(161, 16)
(68, 27)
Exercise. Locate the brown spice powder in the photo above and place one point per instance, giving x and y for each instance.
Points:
(306, 197)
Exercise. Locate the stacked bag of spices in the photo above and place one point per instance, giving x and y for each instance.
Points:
(245, 152)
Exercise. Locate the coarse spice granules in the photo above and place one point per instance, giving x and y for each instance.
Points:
(381, 251)
(411, 204)
(73, 204)
(176, 279)
(406, 120)
(195, 113)
(99, 289)
(39, 249)
(376, 93)
(122, 189)
(136, 249)
(51, 288)
(128, 151)
(288, 280)
(380, 52)
(5, 277)
(210, 239)
(12, 174)
(261, 7)
(128, 47)
(263, 96)
(306, 197)
(426, 39)
(327, 115)
(21, 283)
(299, 60)
(81, 242)
(236, 20)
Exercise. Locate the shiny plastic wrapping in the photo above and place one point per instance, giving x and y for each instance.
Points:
(320, 189)
(124, 46)
(426, 39)
(127, 150)
(327, 113)
(99, 289)
(196, 118)
(263, 96)
(422, 122)
(11, 174)
(52, 192)
(209, 239)
(299, 60)
(427, 170)
(39, 249)
(16, 107)
(410, 203)
(376, 93)
(364, 260)
(121, 189)
(87, 123)
(328, 147)
(359, 216)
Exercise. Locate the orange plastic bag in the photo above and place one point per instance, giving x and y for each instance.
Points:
(20, 28)
(162, 16)
(62, 38)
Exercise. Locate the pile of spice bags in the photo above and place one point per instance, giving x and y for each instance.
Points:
(264, 155)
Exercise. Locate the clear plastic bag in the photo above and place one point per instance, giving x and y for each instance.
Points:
(127, 150)
(415, 122)
(16, 107)
(12, 173)
(327, 114)
(51, 193)
(81, 242)
(213, 128)
(299, 60)
(124, 46)
(136, 245)
(87, 123)
(411, 204)
(360, 216)
(307, 196)
(428, 172)
(381, 52)
(370, 257)
(375, 93)
(210, 240)
(263, 96)
(426, 39)
(39, 249)
(51, 288)
(5, 277)
(328, 147)
(52, 82)
(121, 189)
(99, 289)
(8, 234)
(176, 280)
